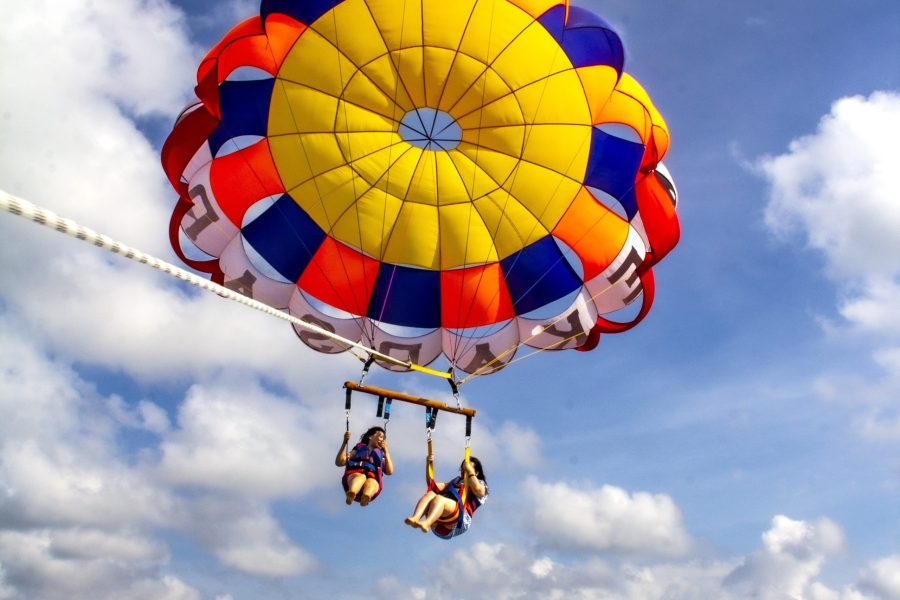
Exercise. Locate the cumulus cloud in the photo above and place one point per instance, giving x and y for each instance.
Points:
(786, 566)
(6, 591)
(84, 71)
(237, 437)
(129, 317)
(42, 564)
(74, 515)
(882, 578)
(792, 555)
(512, 571)
(245, 536)
(59, 458)
(837, 188)
(79, 517)
(605, 518)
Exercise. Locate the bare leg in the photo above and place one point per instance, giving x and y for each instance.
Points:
(369, 489)
(354, 484)
(439, 507)
(413, 519)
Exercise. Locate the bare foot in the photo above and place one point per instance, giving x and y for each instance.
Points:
(410, 521)
(350, 497)
(364, 500)
(422, 526)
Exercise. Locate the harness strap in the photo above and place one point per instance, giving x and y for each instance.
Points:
(347, 407)
(366, 367)
(464, 494)
(429, 467)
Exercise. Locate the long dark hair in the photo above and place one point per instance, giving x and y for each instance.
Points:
(364, 439)
(479, 471)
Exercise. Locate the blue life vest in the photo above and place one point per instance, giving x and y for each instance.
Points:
(463, 518)
(365, 459)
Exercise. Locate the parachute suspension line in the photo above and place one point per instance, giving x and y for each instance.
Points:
(346, 272)
(359, 322)
(51, 220)
(179, 251)
(367, 332)
(460, 351)
(487, 366)
(390, 163)
(641, 272)
(440, 102)
(472, 341)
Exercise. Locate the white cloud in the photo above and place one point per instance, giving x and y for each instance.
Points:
(145, 416)
(882, 578)
(59, 458)
(879, 425)
(6, 591)
(792, 555)
(243, 535)
(81, 69)
(605, 518)
(77, 515)
(785, 567)
(131, 318)
(391, 588)
(838, 188)
(509, 571)
(889, 359)
(63, 485)
(39, 568)
(521, 445)
(83, 543)
(237, 437)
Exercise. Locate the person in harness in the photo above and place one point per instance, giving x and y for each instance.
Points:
(364, 465)
(446, 509)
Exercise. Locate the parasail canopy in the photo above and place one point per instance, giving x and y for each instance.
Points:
(427, 178)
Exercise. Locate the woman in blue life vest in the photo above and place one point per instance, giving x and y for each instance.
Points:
(446, 509)
(364, 464)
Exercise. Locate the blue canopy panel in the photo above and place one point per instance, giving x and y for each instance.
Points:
(306, 11)
(406, 296)
(538, 275)
(285, 237)
(613, 166)
(244, 106)
(586, 38)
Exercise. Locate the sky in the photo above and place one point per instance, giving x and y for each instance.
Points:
(159, 442)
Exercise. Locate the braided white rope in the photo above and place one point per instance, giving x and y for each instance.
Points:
(51, 220)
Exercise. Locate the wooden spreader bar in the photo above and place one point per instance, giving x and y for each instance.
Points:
(375, 391)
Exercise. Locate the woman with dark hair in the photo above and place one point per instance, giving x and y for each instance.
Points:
(364, 465)
(446, 509)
